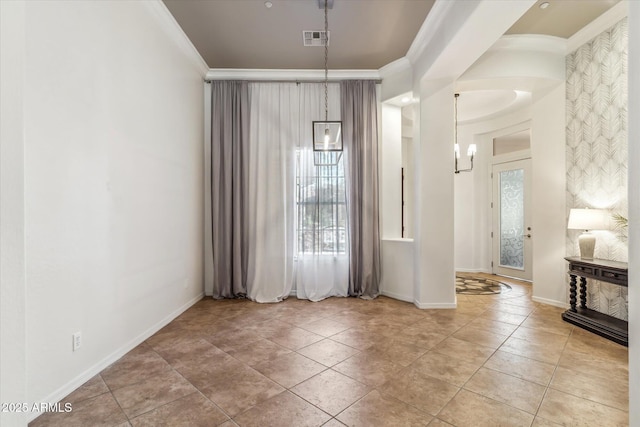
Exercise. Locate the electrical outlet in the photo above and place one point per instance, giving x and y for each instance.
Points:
(77, 340)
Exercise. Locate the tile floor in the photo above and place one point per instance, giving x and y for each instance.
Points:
(496, 360)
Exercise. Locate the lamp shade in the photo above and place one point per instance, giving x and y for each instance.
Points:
(588, 219)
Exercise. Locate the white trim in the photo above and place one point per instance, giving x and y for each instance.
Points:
(63, 391)
(473, 270)
(598, 26)
(427, 305)
(301, 75)
(395, 67)
(175, 32)
(550, 302)
(531, 42)
(396, 296)
(429, 29)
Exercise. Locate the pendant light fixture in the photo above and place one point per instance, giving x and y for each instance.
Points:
(471, 151)
(327, 135)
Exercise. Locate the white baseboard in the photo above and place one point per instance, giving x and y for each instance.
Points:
(63, 391)
(550, 302)
(437, 305)
(399, 297)
(473, 270)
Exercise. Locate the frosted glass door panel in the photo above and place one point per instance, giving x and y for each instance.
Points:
(512, 218)
(512, 234)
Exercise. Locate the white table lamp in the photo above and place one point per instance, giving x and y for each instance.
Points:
(587, 220)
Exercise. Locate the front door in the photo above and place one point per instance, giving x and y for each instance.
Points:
(512, 233)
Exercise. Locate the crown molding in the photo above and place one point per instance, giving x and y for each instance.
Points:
(395, 67)
(531, 42)
(296, 75)
(598, 26)
(174, 31)
(429, 29)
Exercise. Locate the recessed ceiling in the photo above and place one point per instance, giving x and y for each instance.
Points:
(484, 104)
(562, 18)
(365, 34)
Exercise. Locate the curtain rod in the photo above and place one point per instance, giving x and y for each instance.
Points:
(376, 81)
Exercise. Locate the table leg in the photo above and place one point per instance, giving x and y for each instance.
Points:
(572, 292)
(583, 292)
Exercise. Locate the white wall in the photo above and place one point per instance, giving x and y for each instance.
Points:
(390, 168)
(12, 288)
(548, 149)
(434, 269)
(113, 183)
(634, 213)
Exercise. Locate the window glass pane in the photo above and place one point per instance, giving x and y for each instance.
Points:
(321, 206)
(512, 218)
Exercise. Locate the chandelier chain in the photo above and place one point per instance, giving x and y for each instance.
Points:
(326, 59)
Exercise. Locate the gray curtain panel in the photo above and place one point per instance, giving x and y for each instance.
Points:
(359, 112)
(229, 179)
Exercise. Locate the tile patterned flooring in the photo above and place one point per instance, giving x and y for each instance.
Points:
(496, 360)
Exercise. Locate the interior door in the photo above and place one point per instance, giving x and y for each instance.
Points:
(512, 233)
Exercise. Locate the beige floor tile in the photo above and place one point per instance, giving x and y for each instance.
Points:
(377, 410)
(609, 391)
(236, 390)
(333, 423)
(541, 422)
(285, 409)
(402, 352)
(591, 364)
(494, 326)
(473, 410)
(443, 367)
(196, 351)
(495, 314)
(426, 393)
(585, 342)
(230, 340)
(504, 388)
(258, 351)
(521, 367)
(325, 327)
(98, 411)
(331, 391)
(149, 394)
(420, 337)
(356, 338)
(268, 328)
(566, 409)
(328, 352)
(92, 388)
(138, 365)
(203, 373)
(295, 338)
(370, 368)
(436, 422)
(540, 335)
(533, 350)
(463, 350)
(554, 325)
(193, 410)
(290, 369)
(480, 336)
(418, 359)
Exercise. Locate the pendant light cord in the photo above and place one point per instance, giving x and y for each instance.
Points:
(326, 66)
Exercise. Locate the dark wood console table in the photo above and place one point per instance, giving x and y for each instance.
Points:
(591, 320)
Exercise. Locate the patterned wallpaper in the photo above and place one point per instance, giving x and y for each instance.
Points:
(597, 150)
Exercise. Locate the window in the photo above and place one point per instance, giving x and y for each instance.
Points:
(321, 206)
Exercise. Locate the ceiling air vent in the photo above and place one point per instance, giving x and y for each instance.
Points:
(316, 38)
